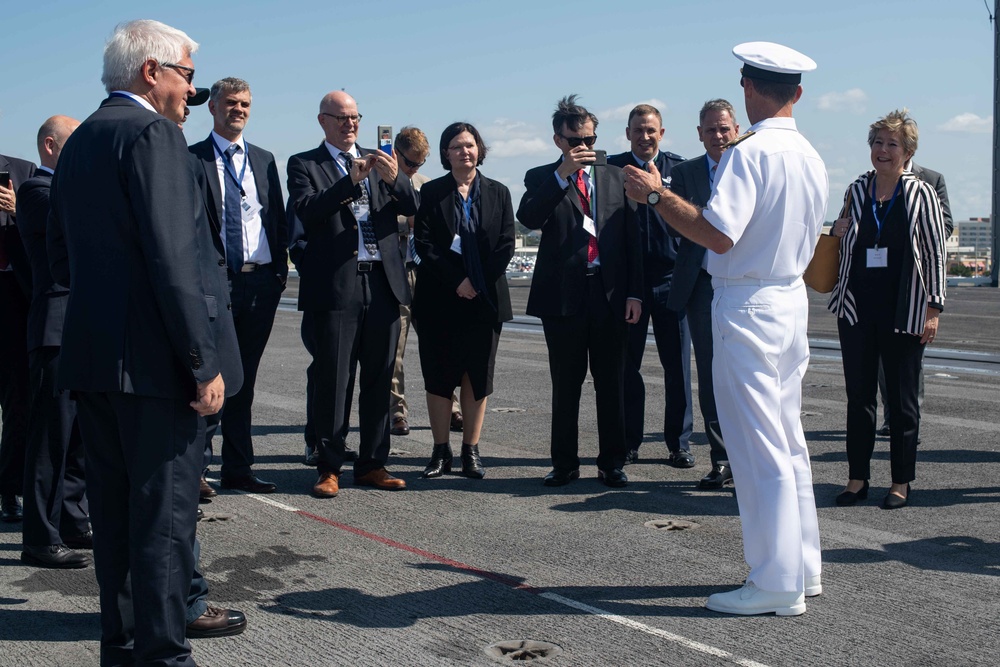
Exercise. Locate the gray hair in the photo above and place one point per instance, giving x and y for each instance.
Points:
(228, 85)
(716, 105)
(134, 43)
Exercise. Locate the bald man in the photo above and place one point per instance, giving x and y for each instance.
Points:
(352, 280)
(55, 504)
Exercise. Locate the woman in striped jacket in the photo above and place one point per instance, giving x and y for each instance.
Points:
(888, 298)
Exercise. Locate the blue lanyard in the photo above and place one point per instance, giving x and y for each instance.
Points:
(878, 223)
(227, 162)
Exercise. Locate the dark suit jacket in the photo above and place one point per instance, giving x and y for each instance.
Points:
(124, 225)
(324, 233)
(441, 271)
(265, 176)
(48, 298)
(558, 285)
(20, 171)
(659, 242)
(688, 180)
(936, 180)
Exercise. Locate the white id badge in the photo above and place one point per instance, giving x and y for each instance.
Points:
(878, 258)
(588, 224)
(250, 210)
(456, 244)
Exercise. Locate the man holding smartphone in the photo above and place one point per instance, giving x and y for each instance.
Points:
(586, 287)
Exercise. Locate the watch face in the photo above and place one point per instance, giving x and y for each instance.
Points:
(653, 198)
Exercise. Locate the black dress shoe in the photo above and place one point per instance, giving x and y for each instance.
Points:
(249, 483)
(440, 464)
(614, 477)
(681, 459)
(631, 456)
(851, 497)
(472, 465)
(216, 622)
(10, 508)
(350, 454)
(561, 477)
(199, 515)
(883, 430)
(311, 457)
(56, 556)
(84, 541)
(894, 502)
(720, 476)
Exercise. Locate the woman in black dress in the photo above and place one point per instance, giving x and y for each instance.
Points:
(464, 236)
(888, 297)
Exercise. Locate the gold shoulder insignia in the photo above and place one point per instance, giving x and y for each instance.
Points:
(742, 137)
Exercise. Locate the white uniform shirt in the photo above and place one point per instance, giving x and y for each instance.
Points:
(769, 197)
(255, 248)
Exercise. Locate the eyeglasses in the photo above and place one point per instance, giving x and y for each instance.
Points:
(356, 118)
(186, 72)
(410, 163)
(577, 141)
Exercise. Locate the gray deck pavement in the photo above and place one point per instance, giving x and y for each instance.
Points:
(435, 574)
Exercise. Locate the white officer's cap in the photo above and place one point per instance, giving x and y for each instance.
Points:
(773, 62)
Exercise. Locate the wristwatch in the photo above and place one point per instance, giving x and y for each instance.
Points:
(653, 198)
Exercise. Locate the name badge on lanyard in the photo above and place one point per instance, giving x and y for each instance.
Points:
(230, 169)
(878, 258)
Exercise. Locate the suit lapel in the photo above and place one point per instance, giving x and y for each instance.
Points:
(259, 168)
(487, 201)
(447, 205)
(328, 165)
(602, 191)
(212, 177)
(702, 181)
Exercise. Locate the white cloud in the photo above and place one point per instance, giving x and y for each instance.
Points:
(520, 147)
(850, 101)
(969, 122)
(621, 113)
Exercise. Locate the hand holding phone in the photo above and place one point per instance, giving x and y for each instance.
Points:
(385, 139)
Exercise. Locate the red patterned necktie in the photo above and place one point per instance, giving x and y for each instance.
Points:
(584, 194)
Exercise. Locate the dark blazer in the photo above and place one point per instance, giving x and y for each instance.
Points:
(48, 298)
(690, 181)
(937, 181)
(659, 242)
(441, 271)
(124, 225)
(325, 235)
(20, 171)
(265, 176)
(558, 285)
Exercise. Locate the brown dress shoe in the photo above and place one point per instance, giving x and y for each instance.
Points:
(206, 491)
(327, 486)
(380, 479)
(400, 426)
(216, 622)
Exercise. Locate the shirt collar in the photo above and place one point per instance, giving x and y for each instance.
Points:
(224, 143)
(42, 167)
(138, 99)
(335, 152)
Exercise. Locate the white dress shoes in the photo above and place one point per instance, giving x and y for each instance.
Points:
(814, 586)
(750, 600)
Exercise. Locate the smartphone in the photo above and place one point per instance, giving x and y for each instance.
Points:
(385, 138)
(5, 179)
(601, 158)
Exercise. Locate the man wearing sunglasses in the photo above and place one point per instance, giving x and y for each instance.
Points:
(586, 288)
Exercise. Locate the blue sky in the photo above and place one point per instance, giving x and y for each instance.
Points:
(503, 65)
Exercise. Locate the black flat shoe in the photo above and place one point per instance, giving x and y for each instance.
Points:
(472, 465)
(894, 502)
(613, 477)
(440, 462)
(851, 497)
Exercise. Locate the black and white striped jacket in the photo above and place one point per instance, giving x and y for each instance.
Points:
(926, 285)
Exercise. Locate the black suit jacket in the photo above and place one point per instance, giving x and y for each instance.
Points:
(48, 298)
(659, 242)
(441, 271)
(688, 180)
(265, 176)
(324, 233)
(558, 285)
(936, 180)
(20, 171)
(124, 226)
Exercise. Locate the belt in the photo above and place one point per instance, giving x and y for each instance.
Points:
(754, 282)
(250, 267)
(368, 267)
(593, 271)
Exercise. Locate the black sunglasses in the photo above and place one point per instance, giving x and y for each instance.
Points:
(410, 163)
(186, 72)
(577, 141)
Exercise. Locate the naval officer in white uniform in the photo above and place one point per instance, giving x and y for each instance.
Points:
(761, 225)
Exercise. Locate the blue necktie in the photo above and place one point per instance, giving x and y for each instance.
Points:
(233, 215)
(367, 228)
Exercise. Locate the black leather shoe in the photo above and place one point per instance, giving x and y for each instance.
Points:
(85, 541)
(850, 497)
(56, 556)
(10, 508)
(199, 515)
(350, 454)
(883, 430)
(561, 477)
(249, 483)
(216, 622)
(311, 457)
(206, 491)
(614, 477)
(681, 459)
(440, 463)
(720, 476)
(400, 426)
(472, 465)
(631, 456)
(894, 502)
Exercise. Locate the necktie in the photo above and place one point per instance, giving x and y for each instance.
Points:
(711, 174)
(361, 206)
(413, 249)
(584, 194)
(233, 214)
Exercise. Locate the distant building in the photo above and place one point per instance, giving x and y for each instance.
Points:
(974, 244)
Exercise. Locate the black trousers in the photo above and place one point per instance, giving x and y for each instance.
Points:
(673, 345)
(598, 335)
(55, 501)
(902, 358)
(13, 383)
(254, 296)
(144, 460)
(365, 333)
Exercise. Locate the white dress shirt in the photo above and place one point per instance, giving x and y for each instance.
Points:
(255, 248)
